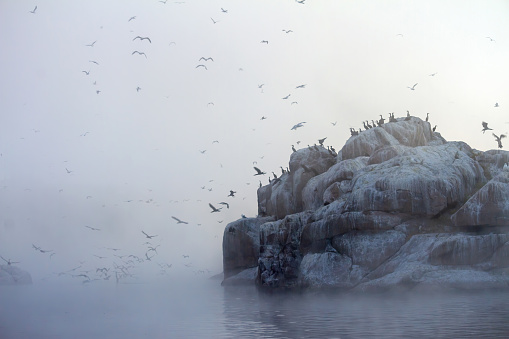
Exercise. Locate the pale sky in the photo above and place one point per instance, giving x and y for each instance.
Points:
(134, 157)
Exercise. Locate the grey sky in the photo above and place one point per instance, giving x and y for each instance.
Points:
(356, 58)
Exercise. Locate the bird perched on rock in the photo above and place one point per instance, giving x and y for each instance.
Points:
(320, 141)
(499, 139)
(485, 127)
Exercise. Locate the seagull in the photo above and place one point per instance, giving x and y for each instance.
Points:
(294, 102)
(224, 203)
(499, 139)
(131, 18)
(36, 247)
(33, 12)
(286, 97)
(93, 61)
(260, 86)
(301, 86)
(232, 193)
(92, 44)
(148, 236)
(297, 125)
(496, 104)
(264, 42)
(203, 152)
(202, 66)
(433, 74)
(214, 209)
(68, 171)
(413, 87)
(87, 73)
(143, 38)
(321, 141)
(334, 123)
(140, 53)
(206, 59)
(258, 171)
(214, 21)
(287, 31)
(138, 89)
(486, 37)
(224, 10)
(263, 118)
(179, 221)
(93, 229)
(485, 127)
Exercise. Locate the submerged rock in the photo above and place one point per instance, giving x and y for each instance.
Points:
(399, 206)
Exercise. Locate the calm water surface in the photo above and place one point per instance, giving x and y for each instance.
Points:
(204, 309)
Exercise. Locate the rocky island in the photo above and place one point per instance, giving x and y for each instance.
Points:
(397, 206)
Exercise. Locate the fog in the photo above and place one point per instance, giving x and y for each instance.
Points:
(131, 144)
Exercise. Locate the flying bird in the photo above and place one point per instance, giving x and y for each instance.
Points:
(232, 193)
(485, 127)
(179, 221)
(486, 37)
(92, 228)
(286, 97)
(298, 125)
(93, 61)
(413, 87)
(131, 18)
(287, 31)
(148, 236)
(33, 12)
(433, 74)
(214, 209)
(264, 42)
(143, 38)
(9, 262)
(224, 203)
(499, 139)
(496, 104)
(87, 73)
(301, 86)
(202, 66)
(214, 21)
(224, 10)
(92, 44)
(206, 59)
(140, 53)
(258, 171)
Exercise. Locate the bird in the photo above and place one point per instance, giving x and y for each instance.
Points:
(433, 74)
(148, 236)
(258, 171)
(164, 2)
(297, 125)
(496, 104)
(294, 102)
(293, 148)
(413, 87)
(140, 53)
(286, 97)
(264, 42)
(260, 86)
(485, 127)
(203, 152)
(87, 73)
(486, 37)
(224, 203)
(206, 59)
(92, 228)
(499, 139)
(179, 221)
(232, 193)
(214, 209)
(93, 61)
(131, 18)
(92, 44)
(138, 89)
(9, 262)
(143, 38)
(320, 141)
(334, 123)
(36, 247)
(287, 31)
(301, 86)
(427, 116)
(202, 66)
(434, 128)
(214, 21)
(33, 12)
(224, 10)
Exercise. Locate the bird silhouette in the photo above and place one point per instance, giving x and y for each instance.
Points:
(9, 262)
(214, 21)
(413, 87)
(202, 66)
(486, 37)
(224, 203)
(224, 10)
(143, 38)
(286, 97)
(140, 53)
(131, 18)
(499, 139)
(214, 209)
(232, 193)
(206, 59)
(33, 12)
(485, 127)
(148, 236)
(301, 86)
(92, 44)
(179, 221)
(264, 42)
(93, 229)
(258, 171)
(298, 125)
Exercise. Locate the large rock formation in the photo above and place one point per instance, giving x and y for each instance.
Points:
(397, 206)
(12, 275)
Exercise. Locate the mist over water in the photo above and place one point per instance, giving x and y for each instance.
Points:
(204, 309)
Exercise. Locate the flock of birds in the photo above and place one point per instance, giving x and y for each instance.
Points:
(122, 264)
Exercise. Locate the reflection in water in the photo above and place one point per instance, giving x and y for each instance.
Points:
(204, 309)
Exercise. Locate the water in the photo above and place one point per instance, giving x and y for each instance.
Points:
(204, 309)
